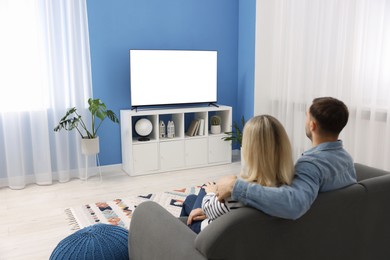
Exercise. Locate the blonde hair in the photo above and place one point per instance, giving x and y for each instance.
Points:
(266, 152)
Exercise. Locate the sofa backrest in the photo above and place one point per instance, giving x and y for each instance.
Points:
(364, 172)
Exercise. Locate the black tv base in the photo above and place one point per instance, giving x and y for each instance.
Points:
(213, 104)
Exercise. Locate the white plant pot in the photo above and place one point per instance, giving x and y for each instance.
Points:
(215, 129)
(90, 146)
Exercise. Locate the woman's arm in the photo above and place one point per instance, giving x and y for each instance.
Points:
(289, 202)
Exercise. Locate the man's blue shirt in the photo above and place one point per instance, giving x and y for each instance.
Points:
(325, 167)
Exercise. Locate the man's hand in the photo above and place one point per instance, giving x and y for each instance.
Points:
(195, 215)
(225, 187)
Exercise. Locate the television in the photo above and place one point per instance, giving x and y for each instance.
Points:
(163, 77)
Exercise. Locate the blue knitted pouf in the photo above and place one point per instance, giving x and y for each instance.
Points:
(99, 241)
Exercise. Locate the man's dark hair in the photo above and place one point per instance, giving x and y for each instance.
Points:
(330, 114)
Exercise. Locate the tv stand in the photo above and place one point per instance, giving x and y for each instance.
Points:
(162, 154)
(213, 104)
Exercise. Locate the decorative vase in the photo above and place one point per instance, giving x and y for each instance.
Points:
(90, 146)
(215, 129)
(171, 129)
(162, 129)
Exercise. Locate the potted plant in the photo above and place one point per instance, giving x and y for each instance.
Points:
(215, 122)
(236, 135)
(73, 120)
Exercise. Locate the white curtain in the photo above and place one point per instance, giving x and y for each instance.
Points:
(340, 48)
(45, 69)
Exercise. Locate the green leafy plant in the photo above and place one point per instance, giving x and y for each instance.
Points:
(73, 120)
(215, 120)
(236, 135)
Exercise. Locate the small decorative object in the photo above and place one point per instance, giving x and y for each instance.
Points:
(162, 129)
(143, 128)
(171, 129)
(215, 122)
(99, 241)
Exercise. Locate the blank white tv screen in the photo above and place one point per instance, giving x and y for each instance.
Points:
(160, 77)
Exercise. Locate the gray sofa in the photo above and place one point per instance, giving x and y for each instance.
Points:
(351, 223)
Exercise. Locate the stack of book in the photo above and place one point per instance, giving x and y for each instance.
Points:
(196, 127)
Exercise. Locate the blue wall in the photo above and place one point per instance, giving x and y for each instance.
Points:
(246, 58)
(120, 25)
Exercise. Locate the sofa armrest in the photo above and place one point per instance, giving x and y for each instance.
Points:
(364, 172)
(230, 236)
(156, 234)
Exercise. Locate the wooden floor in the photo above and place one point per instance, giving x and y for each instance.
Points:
(33, 220)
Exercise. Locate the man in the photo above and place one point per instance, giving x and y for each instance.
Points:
(324, 167)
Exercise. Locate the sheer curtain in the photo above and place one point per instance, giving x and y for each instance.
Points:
(311, 48)
(45, 69)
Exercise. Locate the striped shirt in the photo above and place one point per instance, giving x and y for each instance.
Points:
(214, 209)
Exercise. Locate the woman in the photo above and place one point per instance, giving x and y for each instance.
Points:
(267, 156)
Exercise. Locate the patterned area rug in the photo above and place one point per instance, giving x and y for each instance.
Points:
(119, 211)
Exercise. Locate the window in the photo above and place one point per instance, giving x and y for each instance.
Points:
(23, 81)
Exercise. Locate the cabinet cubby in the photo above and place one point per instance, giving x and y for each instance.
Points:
(153, 134)
(161, 154)
(178, 122)
(226, 125)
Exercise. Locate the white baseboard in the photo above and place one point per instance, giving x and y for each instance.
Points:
(111, 168)
(236, 155)
(236, 152)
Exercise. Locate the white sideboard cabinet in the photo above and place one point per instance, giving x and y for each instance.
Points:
(161, 154)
